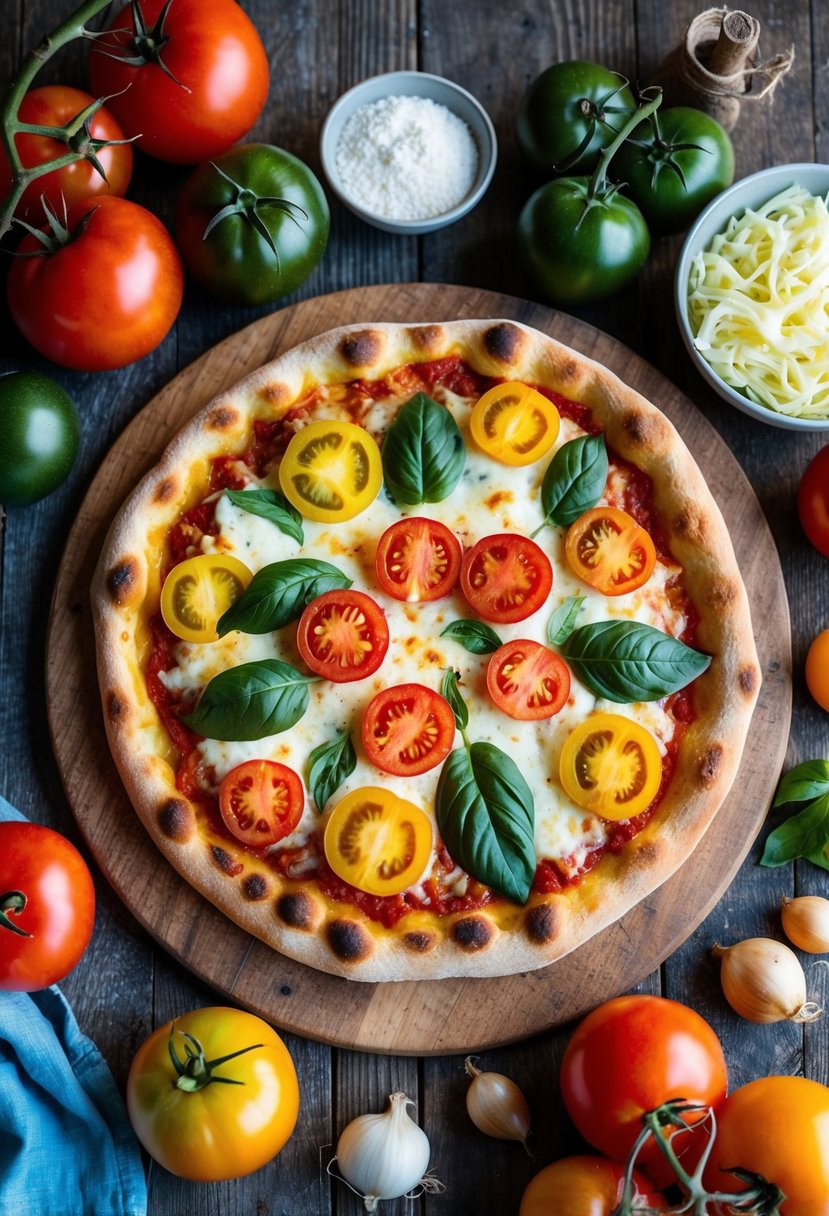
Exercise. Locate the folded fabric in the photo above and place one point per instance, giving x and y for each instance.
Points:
(66, 1144)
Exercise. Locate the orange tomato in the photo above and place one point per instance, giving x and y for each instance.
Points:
(583, 1186)
(514, 423)
(817, 669)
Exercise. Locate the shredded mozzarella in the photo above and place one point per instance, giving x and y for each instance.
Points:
(758, 304)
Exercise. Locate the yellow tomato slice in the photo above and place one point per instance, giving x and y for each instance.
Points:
(378, 842)
(197, 591)
(514, 423)
(611, 765)
(331, 471)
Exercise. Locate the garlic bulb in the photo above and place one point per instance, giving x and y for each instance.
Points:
(383, 1156)
(763, 981)
(496, 1105)
(806, 923)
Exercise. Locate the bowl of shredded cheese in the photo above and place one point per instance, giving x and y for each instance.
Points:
(408, 152)
(752, 295)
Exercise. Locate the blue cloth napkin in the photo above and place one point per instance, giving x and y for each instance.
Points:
(66, 1144)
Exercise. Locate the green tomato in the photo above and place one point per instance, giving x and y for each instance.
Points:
(40, 437)
(579, 248)
(673, 164)
(569, 113)
(252, 223)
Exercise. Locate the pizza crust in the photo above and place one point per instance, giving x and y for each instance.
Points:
(497, 940)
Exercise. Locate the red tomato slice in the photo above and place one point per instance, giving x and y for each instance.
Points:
(610, 551)
(527, 681)
(408, 729)
(418, 560)
(343, 636)
(261, 801)
(506, 577)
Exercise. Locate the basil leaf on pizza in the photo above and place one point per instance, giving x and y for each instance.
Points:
(575, 480)
(279, 593)
(270, 505)
(627, 661)
(329, 765)
(424, 454)
(475, 636)
(485, 813)
(451, 693)
(563, 621)
(251, 701)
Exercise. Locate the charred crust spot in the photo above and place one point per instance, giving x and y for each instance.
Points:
(225, 861)
(505, 342)
(122, 580)
(567, 372)
(116, 708)
(296, 910)
(749, 679)
(362, 348)
(709, 765)
(542, 923)
(420, 941)
(472, 933)
(428, 339)
(644, 430)
(165, 490)
(349, 941)
(688, 524)
(176, 820)
(276, 393)
(648, 852)
(721, 594)
(255, 887)
(222, 418)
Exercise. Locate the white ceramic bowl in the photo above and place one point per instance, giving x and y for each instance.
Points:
(751, 191)
(412, 84)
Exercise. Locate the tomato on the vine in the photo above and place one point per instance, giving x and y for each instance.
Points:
(418, 560)
(506, 577)
(100, 293)
(41, 434)
(56, 105)
(584, 1186)
(343, 635)
(407, 729)
(261, 801)
(213, 1095)
(527, 681)
(188, 78)
(813, 501)
(377, 842)
(47, 906)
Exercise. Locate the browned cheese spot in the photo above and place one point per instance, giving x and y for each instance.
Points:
(121, 581)
(349, 941)
(222, 418)
(363, 348)
(225, 862)
(176, 820)
(542, 923)
(116, 707)
(505, 342)
(429, 339)
(709, 765)
(166, 489)
(255, 887)
(420, 941)
(749, 679)
(297, 910)
(472, 933)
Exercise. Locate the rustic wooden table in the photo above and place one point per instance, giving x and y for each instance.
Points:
(126, 985)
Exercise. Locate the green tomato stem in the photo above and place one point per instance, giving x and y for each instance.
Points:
(598, 182)
(196, 1071)
(12, 902)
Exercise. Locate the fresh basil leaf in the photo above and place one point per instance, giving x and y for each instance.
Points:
(450, 692)
(485, 814)
(627, 661)
(563, 621)
(475, 636)
(278, 593)
(423, 453)
(575, 480)
(806, 834)
(329, 765)
(251, 701)
(807, 780)
(270, 505)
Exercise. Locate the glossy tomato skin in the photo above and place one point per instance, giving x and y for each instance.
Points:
(215, 54)
(41, 434)
(571, 105)
(777, 1127)
(59, 909)
(817, 669)
(668, 201)
(106, 298)
(221, 1131)
(54, 106)
(575, 250)
(583, 1185)
(234, 260)
(813, 501)
(629, 1056)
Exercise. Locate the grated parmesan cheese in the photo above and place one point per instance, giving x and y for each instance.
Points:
(758, 304)
(406, 158)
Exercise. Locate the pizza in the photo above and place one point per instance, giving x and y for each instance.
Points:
(423, 651)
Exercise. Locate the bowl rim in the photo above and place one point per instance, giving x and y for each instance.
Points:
(728, 201)
(488, 156)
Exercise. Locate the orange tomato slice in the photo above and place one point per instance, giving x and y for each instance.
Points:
(610, 551)
(612, 766)
(378, 842)
(514, 423)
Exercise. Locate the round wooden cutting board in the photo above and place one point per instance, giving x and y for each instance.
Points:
(404, 1018)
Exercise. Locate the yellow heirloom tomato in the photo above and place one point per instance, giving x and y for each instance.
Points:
(514, 423)
(612, 766)
(213, 1094)
(198, 591)
(331, 471)
(378, 842)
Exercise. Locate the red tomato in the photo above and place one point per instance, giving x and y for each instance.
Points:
(506, 577)
(343, 636)
(813, 501)
(106, 298)
(777, 1127)
(527, 681)
(418, 560)
(261, 801)
(408, 729)
(213, 90)
(48, 907)
(610, 551)
(584, 1186)
(56, 105)
(630, 1055)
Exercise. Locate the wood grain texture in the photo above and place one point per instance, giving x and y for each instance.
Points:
(405, 1018)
